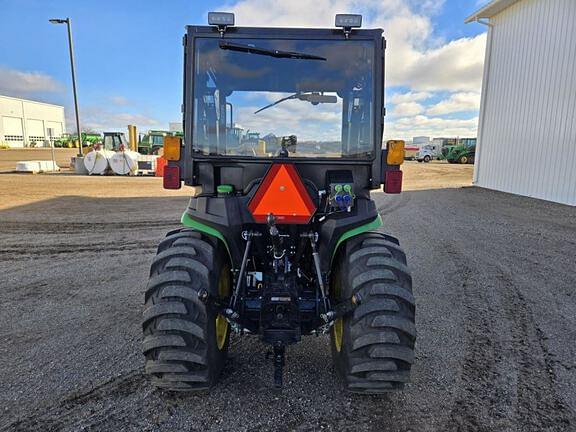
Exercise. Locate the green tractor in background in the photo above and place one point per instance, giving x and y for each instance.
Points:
(69, 140)
(151, 142)
(462, 153)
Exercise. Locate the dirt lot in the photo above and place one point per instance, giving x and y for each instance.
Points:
(493, 277)
(9, 157)
(28, 189)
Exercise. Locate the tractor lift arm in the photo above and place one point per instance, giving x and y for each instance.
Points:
(248, 236)
(313, 240)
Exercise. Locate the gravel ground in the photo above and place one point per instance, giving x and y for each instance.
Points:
(493, 277)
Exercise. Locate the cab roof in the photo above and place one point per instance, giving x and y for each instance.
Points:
(327, 33)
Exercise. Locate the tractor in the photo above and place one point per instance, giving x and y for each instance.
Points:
(150, 143)
(286, 244)
(461, 153)
(114, 141)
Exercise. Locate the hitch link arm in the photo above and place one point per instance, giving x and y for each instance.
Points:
(316, 256)
(343, 308)
(248, 237)
(208, 299)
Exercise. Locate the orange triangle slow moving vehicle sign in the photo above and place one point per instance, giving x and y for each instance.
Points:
(283, 194)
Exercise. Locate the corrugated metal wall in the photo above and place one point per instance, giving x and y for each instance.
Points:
(527, 136)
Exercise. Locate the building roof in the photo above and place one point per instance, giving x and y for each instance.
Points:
(491, 9)
(30, 100)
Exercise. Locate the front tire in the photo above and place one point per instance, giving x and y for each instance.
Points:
(373, 347)
(185, 342)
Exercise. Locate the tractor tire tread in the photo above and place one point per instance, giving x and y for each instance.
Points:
(175, 322)
(379, 336)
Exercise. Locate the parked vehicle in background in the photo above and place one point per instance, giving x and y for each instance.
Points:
(152, 141)
(428, 152)
(410, 152)
(69, 140)
(444, 142)
(461, 153)
(444, 152)
(114, 141)
(461, 150)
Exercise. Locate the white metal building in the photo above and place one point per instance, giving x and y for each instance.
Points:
(24, 122)
(527, 127)
(421, 141)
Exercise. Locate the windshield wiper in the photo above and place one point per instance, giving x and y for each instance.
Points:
(267, 52)
(313, 98)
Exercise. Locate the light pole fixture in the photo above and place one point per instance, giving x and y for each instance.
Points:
(68, 23)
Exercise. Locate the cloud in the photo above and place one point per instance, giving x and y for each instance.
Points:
(457, 102)
(455, 66)
(119, 100)
(399, 98)
(408, 127)
(407, 109)
(30, 84)
(101, 119)
(24, 83)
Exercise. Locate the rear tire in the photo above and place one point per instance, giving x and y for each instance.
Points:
(185, 342)
(426, 159)
(373, 347)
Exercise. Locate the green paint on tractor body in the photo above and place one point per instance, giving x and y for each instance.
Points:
(375, 224)
(187, 221)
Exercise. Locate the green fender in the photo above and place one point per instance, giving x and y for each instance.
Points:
(370, 226)
(191, 223)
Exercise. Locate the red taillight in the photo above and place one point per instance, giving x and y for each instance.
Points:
(393, 182)
(172, 177)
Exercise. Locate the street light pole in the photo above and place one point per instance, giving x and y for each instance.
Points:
(68, 22)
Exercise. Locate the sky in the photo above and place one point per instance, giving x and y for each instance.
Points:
(129, 56)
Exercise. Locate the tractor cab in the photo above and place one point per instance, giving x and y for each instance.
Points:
(323, 87)
(151, 142)
(114, 141)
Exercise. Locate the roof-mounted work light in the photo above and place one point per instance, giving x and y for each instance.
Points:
(348, 22)
(222, 20)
